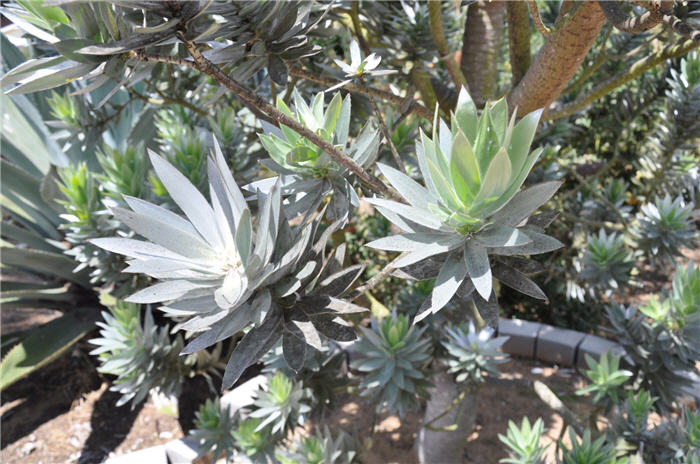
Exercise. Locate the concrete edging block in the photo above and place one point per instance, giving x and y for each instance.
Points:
(595, 346)
(557, 345)
(152, 455)
(522, 336)
(243, 395)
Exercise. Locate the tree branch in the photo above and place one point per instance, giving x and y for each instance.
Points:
(518, 39)
(385, 130)
(646, 63)
(438, 33)
(414, 107)
(247, 96)
(537, 19)
(632, 25)
(558, 59)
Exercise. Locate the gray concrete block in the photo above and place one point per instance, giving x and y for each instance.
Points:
(243, 395)
(183, 451)
(594, 347)
(557, 345)
(522, 336)
(153, 455)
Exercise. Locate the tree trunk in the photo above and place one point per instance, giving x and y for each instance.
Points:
(557, 60)
(519, 39)
(446, 447)
(479, 62)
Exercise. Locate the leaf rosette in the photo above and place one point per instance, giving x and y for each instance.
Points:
(220, 275)
(470, 207)
(307, 173)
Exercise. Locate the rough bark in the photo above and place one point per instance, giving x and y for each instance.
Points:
(557, 61)
(519, 39)
(446, 447)
(479, 62)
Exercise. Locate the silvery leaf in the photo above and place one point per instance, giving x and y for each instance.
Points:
(478, 267)
(338, 283)
(451, 275)
(410, 190)
(518, 281)
(424, 270)
(293, 346)
(540, 244)
(163, 291)
(334, 328)
(188, 198)
(501, 236)
(488, 309)
(251, 348)
(525, 203)
(428, 251)
(233, 323)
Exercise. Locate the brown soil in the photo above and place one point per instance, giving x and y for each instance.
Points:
(65, 413)
(393, 437)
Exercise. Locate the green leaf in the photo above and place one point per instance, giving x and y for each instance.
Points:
(494, 183)
(41, 346)
(51, 77)
(42, 262)
(499, 118)
(464, 169)
(332, 114)
(486, 143)
(520, 141)
(465, 115)
(342, 128)
(514, 186)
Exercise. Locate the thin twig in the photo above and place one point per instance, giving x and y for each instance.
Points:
(596, 193)
(357, 26)
(252, 100)
(385, 130)
(539, 24)
(631, 72)
(415, 107)
(438, 33)
(537, 19)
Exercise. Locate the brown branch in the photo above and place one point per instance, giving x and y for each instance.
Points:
(438, 33)
(631, 24)
(385, 130)
(537, 19)
(518, 39)
(249, 97)
(588, 72)
(602, 89)
(357, 26)
(558, 60)
(414, 107)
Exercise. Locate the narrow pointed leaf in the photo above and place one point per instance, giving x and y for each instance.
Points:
(478, 267)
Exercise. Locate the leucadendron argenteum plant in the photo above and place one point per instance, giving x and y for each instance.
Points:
(307, 173)
(470, 208)
(218, 275)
